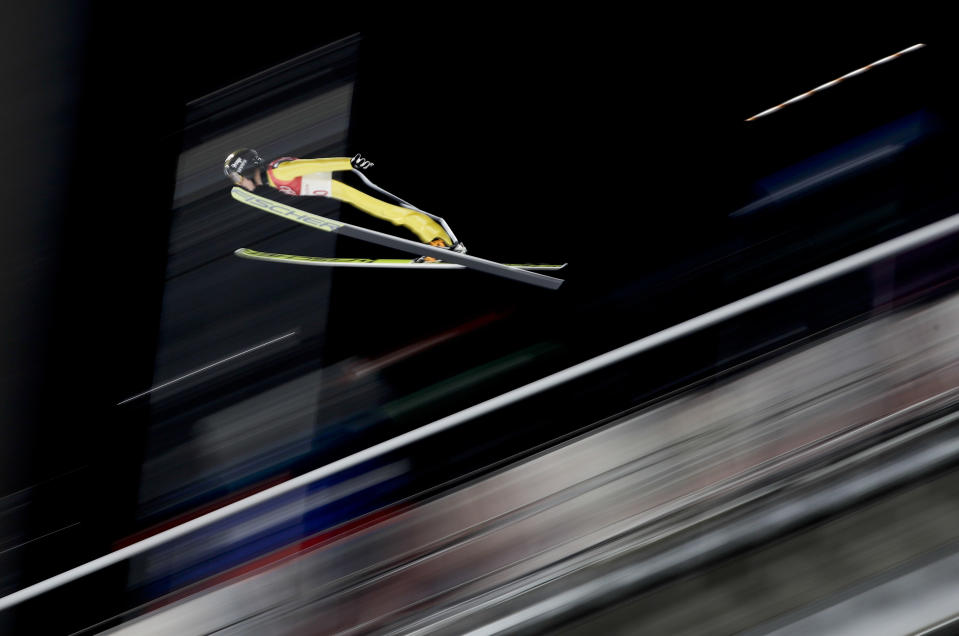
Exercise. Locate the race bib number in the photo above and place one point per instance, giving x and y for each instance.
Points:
(318, 184)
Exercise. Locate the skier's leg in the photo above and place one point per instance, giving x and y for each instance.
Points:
(425, 228)
(457, 245)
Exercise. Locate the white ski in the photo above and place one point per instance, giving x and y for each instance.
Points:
(387, 240)
(388, 263)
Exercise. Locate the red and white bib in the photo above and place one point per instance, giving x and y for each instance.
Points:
(318, 184)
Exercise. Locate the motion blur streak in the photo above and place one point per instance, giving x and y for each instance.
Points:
(366, 367)
(208, 367)
(900, 244)
(652, 495)
(827, 175)
(843, 161)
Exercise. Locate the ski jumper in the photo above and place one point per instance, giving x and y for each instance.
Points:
(313, 177)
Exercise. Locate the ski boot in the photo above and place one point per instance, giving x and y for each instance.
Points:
(438, 242)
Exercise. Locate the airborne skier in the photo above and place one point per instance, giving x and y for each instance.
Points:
(313, 177)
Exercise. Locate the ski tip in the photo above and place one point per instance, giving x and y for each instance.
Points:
(546, 282)
(245, 252)
(537, 267)
(551, 284)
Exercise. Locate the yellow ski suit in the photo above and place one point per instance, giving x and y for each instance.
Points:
(313, 177)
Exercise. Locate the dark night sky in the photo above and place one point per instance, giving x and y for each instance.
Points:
(621, 142)
(620, 138)
(613, 135)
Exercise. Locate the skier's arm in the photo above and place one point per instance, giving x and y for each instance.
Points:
(289, 170)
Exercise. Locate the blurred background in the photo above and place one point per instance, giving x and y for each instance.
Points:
(789, 469)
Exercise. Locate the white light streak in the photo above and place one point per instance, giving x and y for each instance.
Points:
(42, 536)
(858, 71)
(207, 367)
